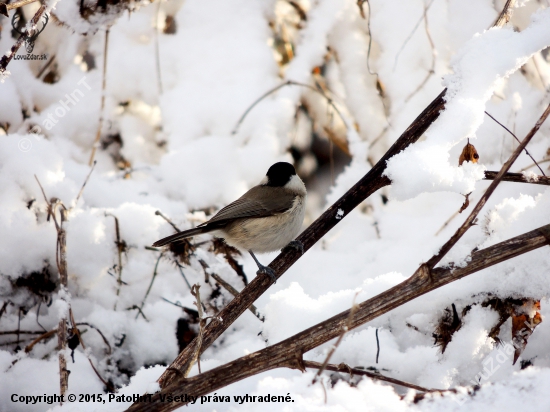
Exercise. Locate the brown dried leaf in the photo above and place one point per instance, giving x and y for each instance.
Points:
(466, 203)
(525, 318)
(469, 154)
(182, 250)
(448, 325)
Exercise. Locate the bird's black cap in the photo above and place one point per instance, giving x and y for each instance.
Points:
(279, 174)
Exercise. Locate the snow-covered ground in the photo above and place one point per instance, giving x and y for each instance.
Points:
(167, 145)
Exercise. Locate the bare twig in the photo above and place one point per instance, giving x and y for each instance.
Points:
(289, 83)
(235, 293)
(4, 306)
(196, 355)
(46, 335)
(159, 213)
(515, 137)
(343, 368)
(409, 37)
(333, 348)
(109, 349)
(48, 64)
(121, 246)
(434, 260)
(21, 332)
(377, 346)
(545, 160)
(506, 14)
(108, 385)
(157, 47)
(4, 8)
(434, 53)
(140, 308)
(102, 106)
(61, 259)
(84, 184)
(519, 178)
(180, 267)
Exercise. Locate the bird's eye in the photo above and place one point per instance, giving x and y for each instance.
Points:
(476, 156)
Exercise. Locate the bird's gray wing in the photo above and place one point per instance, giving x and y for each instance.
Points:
(260, 201)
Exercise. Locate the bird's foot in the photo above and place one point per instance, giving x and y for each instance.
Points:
(266, 270)
(295, 244)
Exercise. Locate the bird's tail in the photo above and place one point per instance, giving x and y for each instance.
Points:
(181, 235)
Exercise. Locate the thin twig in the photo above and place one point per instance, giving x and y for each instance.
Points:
(108, 385)
(515, 137)
(369, 48)
(4, 7)
(235, 293)
(61, 260)
(157, 48)
(4, 306)
(159, 213)
(535, 164)
(46, 335)
(409, 37)
(102, 106)
(38, 315)
(84, 184)
(519, 178)
(140, 312)
(331, 351)
(110, 349)
(196, 356)
(469, 222)
(434, 53)
(180, 267)
(22, 332)
(343, 368)
(120, 245)
(43, 69)
(377, 346)
(150, 286)
(289, 83)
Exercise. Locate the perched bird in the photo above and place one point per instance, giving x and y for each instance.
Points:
(266, 218)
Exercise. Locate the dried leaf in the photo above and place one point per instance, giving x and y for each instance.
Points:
(469, 154)
(466, 203)
(448, 325)
(182, 250)
(525, 318)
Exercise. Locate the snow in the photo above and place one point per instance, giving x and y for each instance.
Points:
(174, 152)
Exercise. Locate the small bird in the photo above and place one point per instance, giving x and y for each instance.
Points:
(265, 219)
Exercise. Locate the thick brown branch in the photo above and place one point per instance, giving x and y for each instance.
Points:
(519, 178)
(288, 353)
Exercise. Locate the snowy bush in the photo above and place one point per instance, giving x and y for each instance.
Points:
(138, 118)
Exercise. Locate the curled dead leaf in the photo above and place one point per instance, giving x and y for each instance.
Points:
(466, 203)
(469, 154)
(525, 318)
